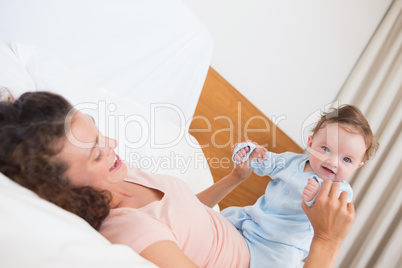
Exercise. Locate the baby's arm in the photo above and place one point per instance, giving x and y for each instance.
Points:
(311, 190)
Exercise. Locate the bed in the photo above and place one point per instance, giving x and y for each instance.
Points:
(138, 68)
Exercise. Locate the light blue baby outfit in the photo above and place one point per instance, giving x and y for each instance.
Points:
(276, 228)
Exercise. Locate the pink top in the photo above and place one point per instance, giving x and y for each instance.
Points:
(204, 235)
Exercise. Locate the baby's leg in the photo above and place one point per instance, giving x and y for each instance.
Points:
(310, 190)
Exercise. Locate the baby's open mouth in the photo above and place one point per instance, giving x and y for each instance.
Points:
(328, 170)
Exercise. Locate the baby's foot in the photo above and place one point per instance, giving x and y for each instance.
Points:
(310, 190)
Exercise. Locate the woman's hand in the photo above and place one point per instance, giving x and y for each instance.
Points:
(242, 171)
(215, 193)
(331, 218)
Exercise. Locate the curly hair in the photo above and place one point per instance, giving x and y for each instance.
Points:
(32, 133)
(351, 116)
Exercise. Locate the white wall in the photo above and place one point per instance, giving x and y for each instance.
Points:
(288, 57)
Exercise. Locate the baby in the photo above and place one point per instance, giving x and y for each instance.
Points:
(276, 228)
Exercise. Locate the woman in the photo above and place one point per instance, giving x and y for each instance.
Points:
(58, 153)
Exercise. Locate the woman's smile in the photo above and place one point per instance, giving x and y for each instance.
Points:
(116, 164)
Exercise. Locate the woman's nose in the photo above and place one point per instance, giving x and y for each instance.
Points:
(109, 144)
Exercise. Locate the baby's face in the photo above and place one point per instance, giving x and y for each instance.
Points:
(336, 152)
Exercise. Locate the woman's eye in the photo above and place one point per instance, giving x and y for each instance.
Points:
(347, 159)
(325, 148)
(98, 157)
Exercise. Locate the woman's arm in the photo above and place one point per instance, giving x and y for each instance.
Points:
(331, 218)
(166, 254)
(214, 194)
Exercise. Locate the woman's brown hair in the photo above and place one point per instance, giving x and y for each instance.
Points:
(350, 115)
(32, 133)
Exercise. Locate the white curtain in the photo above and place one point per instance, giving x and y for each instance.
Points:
(375, 86)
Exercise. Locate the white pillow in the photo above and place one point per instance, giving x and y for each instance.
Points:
(13, 74)
(36, 233)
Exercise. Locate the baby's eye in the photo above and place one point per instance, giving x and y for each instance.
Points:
(325, 148)
(347, 159)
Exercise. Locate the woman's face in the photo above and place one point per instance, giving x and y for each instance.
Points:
(90, 156)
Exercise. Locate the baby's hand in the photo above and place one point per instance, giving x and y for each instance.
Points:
(310, 190)
(259, 153)
(241, 153)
